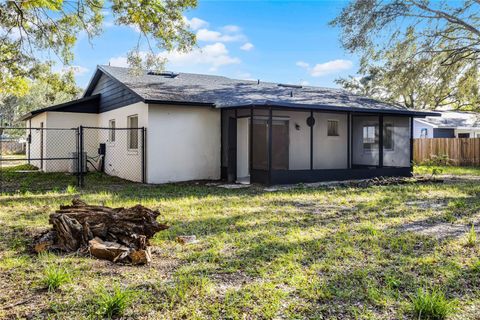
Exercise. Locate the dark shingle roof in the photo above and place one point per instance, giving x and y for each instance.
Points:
(225, 92)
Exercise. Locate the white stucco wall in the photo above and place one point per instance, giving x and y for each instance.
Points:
(330, 152)
(34, 147)
(57, 143)
(183, 143)
(119, 160)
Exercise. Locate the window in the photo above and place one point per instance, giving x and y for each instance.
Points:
(464, 135)
(111, 132)
(332, 128)
(133, 132)
(370, 137)
(424, 133)
(388, 136)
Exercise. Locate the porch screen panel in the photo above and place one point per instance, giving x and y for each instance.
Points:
(280, 143)
(295, 142)
(260, 143)
(365, 140)
(225, 122)
(396, 142)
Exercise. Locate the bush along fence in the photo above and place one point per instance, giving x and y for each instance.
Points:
(78, 151)
(447, 151)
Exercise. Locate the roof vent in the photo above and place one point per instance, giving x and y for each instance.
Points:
(289, 86)
(167, 74)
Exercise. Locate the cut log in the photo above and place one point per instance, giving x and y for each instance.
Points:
(115, 234)
(45, 241)
(108, 250)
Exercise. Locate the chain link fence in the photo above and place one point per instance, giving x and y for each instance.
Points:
(118, 152)
(78, 154)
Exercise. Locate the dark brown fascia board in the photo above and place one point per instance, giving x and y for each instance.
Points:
(352, 110)
(59, 106)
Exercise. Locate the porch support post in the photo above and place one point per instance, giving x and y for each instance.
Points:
(411, 141)
(250, 145)
(311, 142)
(349, 140)
(270, 125)
(221, 144)
(380, 141)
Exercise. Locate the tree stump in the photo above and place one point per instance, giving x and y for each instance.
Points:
(116, 234)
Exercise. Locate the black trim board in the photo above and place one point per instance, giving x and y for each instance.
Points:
(307, 176)
(83, 105)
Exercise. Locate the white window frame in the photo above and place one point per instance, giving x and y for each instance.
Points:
(376, 137)
(338, 127)
(111, 132)
(130, 132)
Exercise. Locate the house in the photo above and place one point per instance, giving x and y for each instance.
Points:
(449, 124)
(210, 127)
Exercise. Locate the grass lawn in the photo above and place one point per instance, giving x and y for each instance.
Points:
(304, 253)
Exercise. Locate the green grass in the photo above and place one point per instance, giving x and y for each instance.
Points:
(450, 170)
(432, 305)
(54, 277)
(113, 303)
(304, 253)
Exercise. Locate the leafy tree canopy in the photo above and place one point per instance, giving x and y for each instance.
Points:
(424, 54)
(47, 88)
(30, 29)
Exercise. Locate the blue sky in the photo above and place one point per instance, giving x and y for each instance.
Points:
(279, 41)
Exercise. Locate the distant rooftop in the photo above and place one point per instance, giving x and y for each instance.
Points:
(454, 120)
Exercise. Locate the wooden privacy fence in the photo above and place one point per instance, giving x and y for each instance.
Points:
(459, 151)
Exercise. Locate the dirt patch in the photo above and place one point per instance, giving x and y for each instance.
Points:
(426, 204)
(440, 230)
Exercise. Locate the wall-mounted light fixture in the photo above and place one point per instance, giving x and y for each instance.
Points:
(297, 126)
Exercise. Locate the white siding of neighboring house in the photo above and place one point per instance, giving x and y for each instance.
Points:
(183, 143)
(418, 125)
(473, 133)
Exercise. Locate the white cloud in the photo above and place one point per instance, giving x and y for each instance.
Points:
(118, 62)
(213, 56)
(215, 36)
(302, 64)
(196, 23)
(304, 83)
(321, 69)
(247, 46)
(231, 28)
(77, 70)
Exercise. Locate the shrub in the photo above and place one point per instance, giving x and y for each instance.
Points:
(114, 303)
(471, 237)
(438, 160)
(54, 277)
(432, 305)
(71, 189)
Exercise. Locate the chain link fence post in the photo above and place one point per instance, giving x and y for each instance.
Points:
(80, 156)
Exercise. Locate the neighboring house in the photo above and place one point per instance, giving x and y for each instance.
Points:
(450, 124)
(212, 127)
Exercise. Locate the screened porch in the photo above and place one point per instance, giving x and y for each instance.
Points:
(279, 145)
